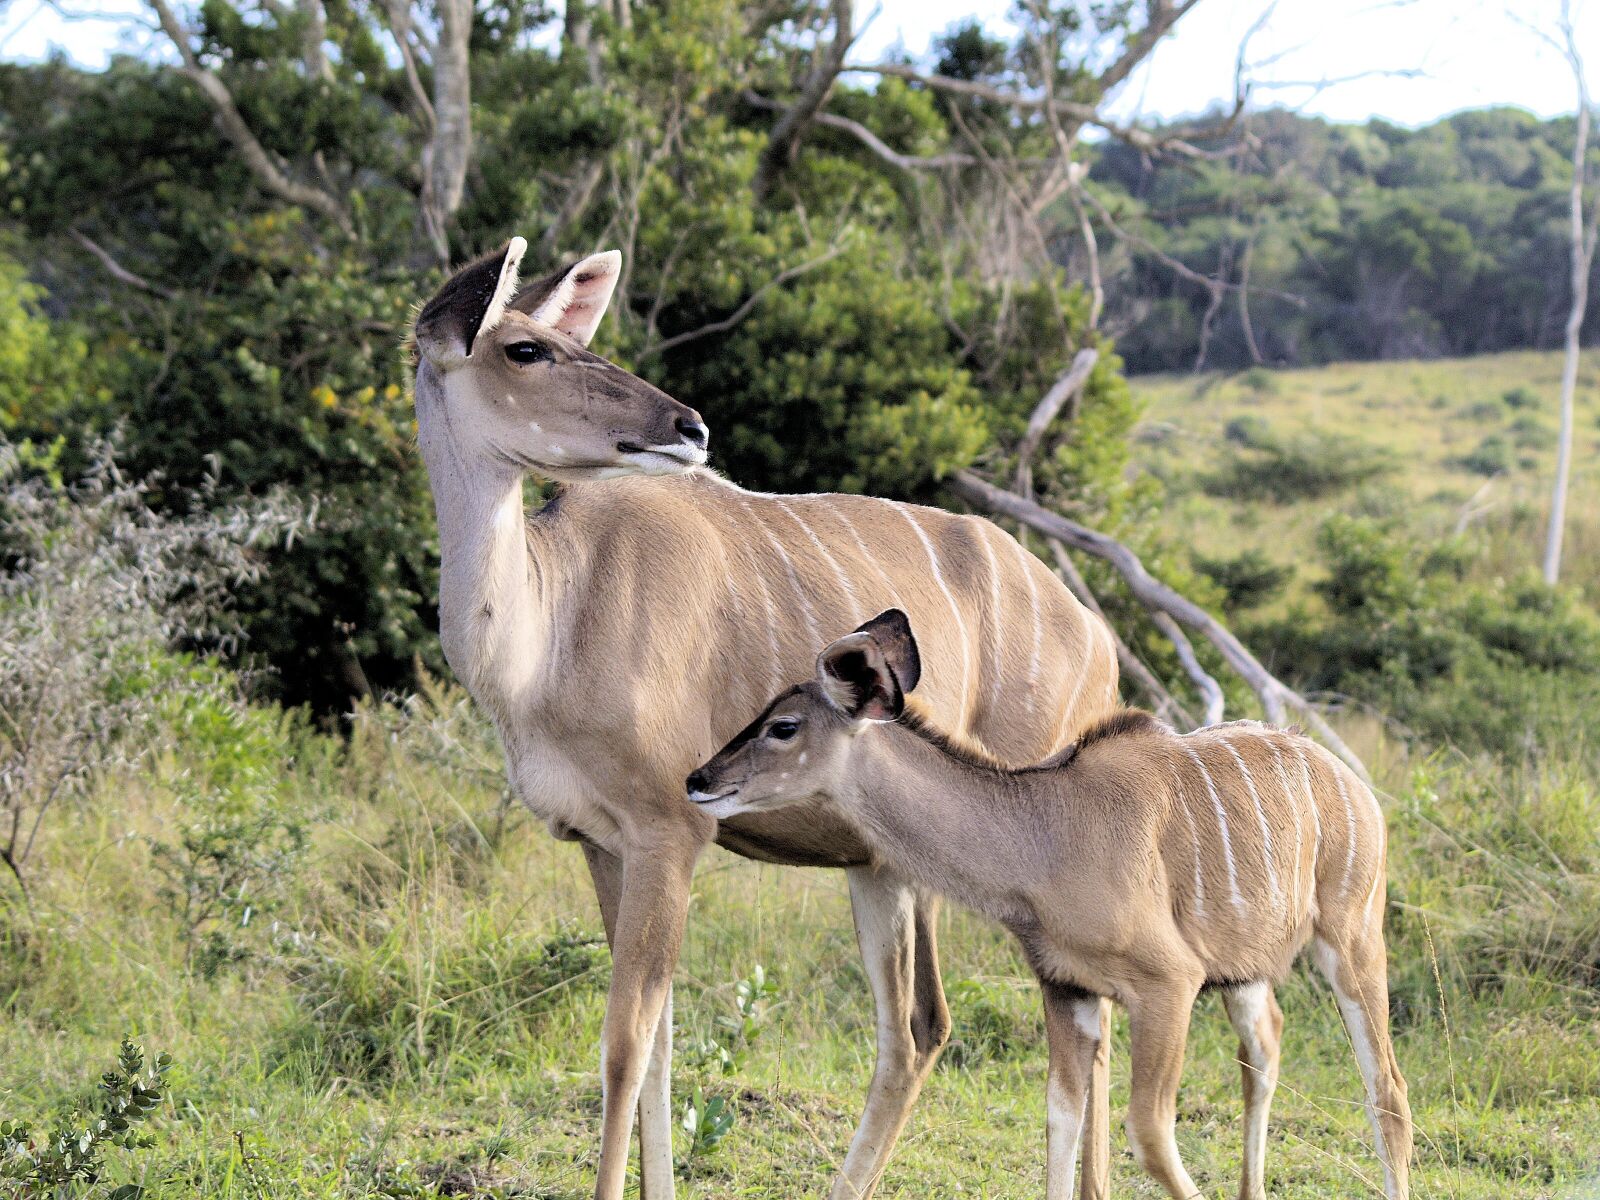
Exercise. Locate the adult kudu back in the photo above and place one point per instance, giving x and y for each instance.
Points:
(628, 629)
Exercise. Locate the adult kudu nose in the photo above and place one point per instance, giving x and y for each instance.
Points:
(693, 430)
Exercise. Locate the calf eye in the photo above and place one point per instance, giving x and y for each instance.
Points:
(782, 731)
(529, 352)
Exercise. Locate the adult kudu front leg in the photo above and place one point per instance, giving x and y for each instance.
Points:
(655, 1098)
(646, 937)
(895, 930)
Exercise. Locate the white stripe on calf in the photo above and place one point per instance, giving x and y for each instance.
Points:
(1267, 852)
(1222, 827)
(1194, 841)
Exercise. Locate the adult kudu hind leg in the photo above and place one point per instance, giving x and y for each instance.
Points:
(655, 1101)
(895, 930)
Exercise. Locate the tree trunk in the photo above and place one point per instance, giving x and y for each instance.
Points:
(1582, 256)
(450, 148)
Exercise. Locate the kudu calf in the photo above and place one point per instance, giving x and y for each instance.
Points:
(616, 636)
(1135, 864)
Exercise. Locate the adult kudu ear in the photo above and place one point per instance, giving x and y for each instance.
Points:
(574, 298)
(471, 303)
(861, 673)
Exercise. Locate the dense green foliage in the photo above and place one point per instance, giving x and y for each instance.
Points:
(1445, 240)
(266, 348)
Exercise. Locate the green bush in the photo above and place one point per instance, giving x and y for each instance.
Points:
(1492, 456)
(1248, 580)
(1496, 666)
(1306, 466)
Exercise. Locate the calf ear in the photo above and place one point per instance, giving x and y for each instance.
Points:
(574, 298)
(891, 630)
(856, 679)
(471, 303)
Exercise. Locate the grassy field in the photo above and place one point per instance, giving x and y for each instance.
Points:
(409, 1004)
(419, 1014)
(1458, 447)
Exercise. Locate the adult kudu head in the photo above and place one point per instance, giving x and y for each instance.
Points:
(505, 379)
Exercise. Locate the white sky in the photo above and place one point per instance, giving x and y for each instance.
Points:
(1470, 53)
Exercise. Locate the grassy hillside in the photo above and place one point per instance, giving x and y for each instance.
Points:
(1452, 448)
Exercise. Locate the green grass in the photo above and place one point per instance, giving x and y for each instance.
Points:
(421, 1017)
(1467, 446)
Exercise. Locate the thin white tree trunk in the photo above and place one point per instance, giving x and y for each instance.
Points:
(1582, 256)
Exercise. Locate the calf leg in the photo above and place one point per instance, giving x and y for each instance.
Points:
(1094, 1176)
(1258, 1021)
(1357, 969)
(895, 930)
(1072, 1024)
(1158, 1026)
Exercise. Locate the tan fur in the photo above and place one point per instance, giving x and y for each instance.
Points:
(621, 634)
(1137, 865)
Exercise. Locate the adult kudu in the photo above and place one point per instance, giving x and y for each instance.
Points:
(624, 632)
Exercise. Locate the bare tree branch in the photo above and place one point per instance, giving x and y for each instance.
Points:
(1581, 259)
(784, 139)
(1166, 704)
(1210, 690)
(1276, 697)
(1068, 385)
(450, 148)
(905, 162)
(237, 131)
(740, 313)
(116, 270)
(1084, 114)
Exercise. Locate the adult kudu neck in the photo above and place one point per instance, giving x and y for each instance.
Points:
(494, 602)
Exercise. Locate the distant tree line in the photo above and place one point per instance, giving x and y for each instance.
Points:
(1343, 241)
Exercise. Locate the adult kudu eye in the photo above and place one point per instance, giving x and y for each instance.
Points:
(529, 352)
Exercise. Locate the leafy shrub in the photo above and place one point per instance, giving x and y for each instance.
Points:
(94, 587)
(1521, 397)
(73, 1153)
(1532, 434)
(1485, 666)
(1303, 467)
(1493, 456)
(1260, 380)
(1249, 430)
(1248, 580)
(240, 843)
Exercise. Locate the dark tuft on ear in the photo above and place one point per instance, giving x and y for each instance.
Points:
(859, 687)
(456, 312)
(892, 631)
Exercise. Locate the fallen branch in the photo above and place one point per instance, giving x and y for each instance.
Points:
(1210, 690)
(1164, 702)
(1068, 385)
(1276, 697)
